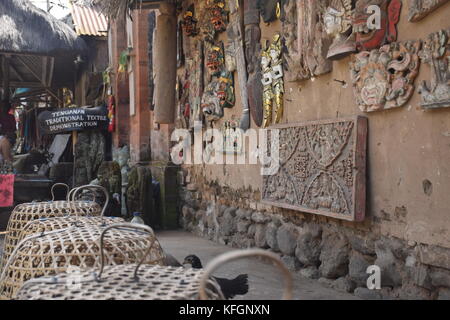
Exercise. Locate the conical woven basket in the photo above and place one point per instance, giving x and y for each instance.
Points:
(60, 250)
(26, 212)
(146, 282)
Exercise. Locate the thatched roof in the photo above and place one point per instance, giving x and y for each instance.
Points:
(115, 8)
(25, 28)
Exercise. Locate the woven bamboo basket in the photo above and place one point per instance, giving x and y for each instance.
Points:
(143, 282)
(26, 212)
(76, 247)
(45, 225)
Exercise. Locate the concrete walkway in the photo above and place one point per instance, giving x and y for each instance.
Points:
(264, 280)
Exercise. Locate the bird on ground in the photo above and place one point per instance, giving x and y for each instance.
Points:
(230, 288)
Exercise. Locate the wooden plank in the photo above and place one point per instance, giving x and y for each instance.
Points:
(322, 168)
(236, 35)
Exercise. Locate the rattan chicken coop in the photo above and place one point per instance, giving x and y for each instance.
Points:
(76, 247)
(143, 282)
(26, 212)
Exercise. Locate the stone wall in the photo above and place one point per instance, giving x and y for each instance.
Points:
(316, 247)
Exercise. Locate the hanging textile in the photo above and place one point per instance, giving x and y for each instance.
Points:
(6, 190)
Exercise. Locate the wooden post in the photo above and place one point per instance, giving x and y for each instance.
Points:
(165, 64)
(5, 69)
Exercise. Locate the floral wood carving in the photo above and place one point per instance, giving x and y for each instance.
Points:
(419, 9)
(384, 78)
(305, 38)
(367, 39)
(436, 53)
(322, 168)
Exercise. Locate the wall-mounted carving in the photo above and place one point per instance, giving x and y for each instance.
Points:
(219, 94)
(368, 39)
(211, 108)
(214, 19)
(253, 53)
(267, 87)
(273, 84)
(277, 77)
(215, 58)
(436, 53)
(180, 46)
(232, 138)
(235, 53)
(196, 84)
(226, 90)
(189, 22)
(384, 78)
(322, 168)
(419, 9)
(184, 107)
(306, 41)
(270, 9)
(338, 24)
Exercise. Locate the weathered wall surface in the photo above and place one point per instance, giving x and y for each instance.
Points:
(407, 223)
(407, 147)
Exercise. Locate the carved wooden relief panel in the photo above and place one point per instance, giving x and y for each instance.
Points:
(306, 40)
(322, 168)
(419, 9)
(384, 78)
(436, 53)
(370, 33)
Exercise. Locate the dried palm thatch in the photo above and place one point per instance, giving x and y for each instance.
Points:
(26, 212)
(129, 282)
(117, 8)
(28, 29)
(77, 247)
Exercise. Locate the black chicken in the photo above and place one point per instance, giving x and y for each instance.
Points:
(230, 288)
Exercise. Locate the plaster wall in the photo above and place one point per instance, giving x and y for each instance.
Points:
(408, 148)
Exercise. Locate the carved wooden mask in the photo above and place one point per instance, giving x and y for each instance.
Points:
(384, 78)
(189, 22)
(367, 39)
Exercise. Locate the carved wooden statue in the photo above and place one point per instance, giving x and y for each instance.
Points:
(267, 87)
(419, 9)
(375, 23)
(253, 53)
(305, 38)
(384, 78)
(436, 53)
(277, 76)
(338, 24)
